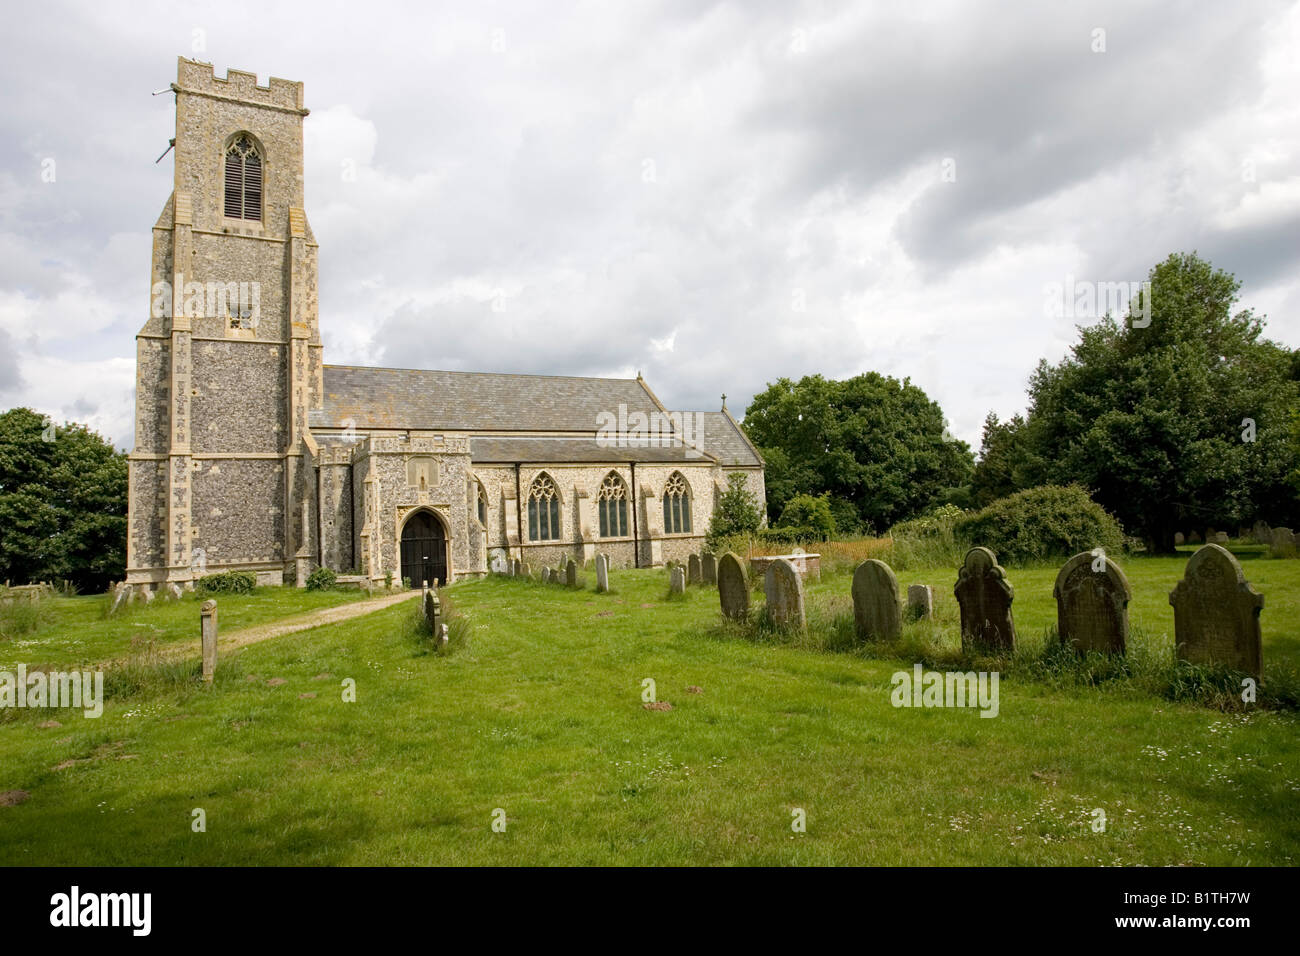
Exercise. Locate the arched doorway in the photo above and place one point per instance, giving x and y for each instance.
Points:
(424, 550)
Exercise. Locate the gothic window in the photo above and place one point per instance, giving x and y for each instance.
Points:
(482, 506)
(243, 180)
(677, 505)
(543, 510)
(612, 505)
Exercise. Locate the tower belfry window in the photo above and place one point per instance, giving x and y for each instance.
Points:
(243, 180)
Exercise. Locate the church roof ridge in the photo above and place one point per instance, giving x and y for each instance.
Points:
(456, 371)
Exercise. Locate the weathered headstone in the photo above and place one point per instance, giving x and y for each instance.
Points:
(208, 638)
(985, 597)
(1092, 596)
(677, 580)
(571, 574)
(1216, 613)
(602, 573)
(546, 575)
(498, 561)
(693, 570)
(1283, 543)
(783, 587)
(877, 614)
(527, 570)
(121, 596)
(708, 568)
(148, 595)
(432, 609)
(733, 589)
(1219, 537)
(174, 592)
(1179, 537)
(1193, 538)
(920, 602)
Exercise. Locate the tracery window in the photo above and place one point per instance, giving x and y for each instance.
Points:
(677, 505)
(543, 510)
(243, 180)
(611, 504)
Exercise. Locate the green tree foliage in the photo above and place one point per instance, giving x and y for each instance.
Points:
(1154, 419)
(812, 513)
(62, 503)
(1007, 463)
(876, 446)
(1041, 523)
(736, 512)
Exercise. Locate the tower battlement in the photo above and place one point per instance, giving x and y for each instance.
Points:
(195, 76)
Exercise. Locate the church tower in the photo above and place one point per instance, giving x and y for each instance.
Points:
(229, 361)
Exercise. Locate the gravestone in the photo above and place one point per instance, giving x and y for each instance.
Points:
(733, 589)
(783, 587)
(546, 575)
(1283, 543)
(571, 574)
(985, 597)
(920, 602)
(877, 614)
(1216, 613)
(147, 594)
(174, 592)
(1092, 596)
(497, 561)
(602, 573)
(526, 570)
(1219, 537)
(1193, 538)
(432, 610)
(121, 596)
(208, 638)
(677, 581)
(1179, 537)
(693, 569)
(708, 568)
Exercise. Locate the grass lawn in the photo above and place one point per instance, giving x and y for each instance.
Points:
(78, 631)
(541, 716)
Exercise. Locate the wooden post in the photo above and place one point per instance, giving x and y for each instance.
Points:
(208, 627)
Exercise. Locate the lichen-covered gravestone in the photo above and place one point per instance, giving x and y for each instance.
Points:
(783, 587)
(571, 573)
(708, 568)
(1216, 613)
(920, 602)
(985, 597)
(733, 588)
(877, 614)
(602, 573)
(677, 581)
(1092, 596)
(693, 569)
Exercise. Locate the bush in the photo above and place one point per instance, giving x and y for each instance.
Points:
(322, 579)
(1040, 524)
(812, 515)
(227, 582)
(736, 512)
(934, 523)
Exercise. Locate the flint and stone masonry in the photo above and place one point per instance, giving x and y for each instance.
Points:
(251, 453)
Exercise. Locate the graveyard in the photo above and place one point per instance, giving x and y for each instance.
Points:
(617, 716)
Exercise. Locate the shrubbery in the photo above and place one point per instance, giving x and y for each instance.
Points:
(322, 579)
(736, 513)
(1052, 521)
(227, 582)
(810, 516)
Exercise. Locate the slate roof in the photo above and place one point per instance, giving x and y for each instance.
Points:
(428, 400)
(505, 450)
(421, 399)
(723, 440)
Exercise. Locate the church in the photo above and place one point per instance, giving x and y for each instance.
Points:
(253, 454)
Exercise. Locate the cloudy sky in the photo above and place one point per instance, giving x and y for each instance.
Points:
(718, 194)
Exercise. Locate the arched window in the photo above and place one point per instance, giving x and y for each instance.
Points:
(543, 510)
(612, 505)
(482, 506)
(243, 179)
(677, 505)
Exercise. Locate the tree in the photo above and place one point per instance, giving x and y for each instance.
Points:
(736, 511)
(62, 503)
(876, 446)
(1007, 463)
(1183, 423)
